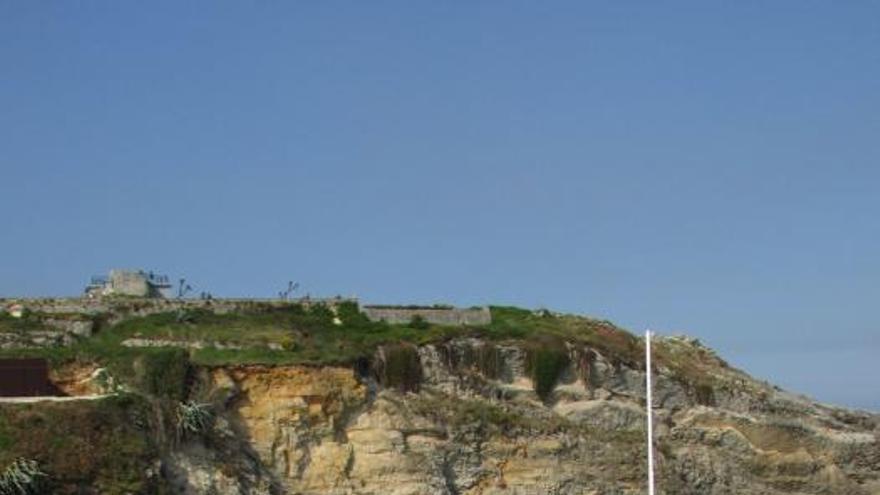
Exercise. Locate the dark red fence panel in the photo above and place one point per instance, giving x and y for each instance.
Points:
(25, 378)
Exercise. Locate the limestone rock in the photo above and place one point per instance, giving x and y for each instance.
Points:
(474, 430)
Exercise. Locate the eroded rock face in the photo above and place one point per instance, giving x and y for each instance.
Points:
(288, 412)
(82, 379)
(477, 427)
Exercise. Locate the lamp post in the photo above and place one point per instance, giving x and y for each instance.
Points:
(649, 413)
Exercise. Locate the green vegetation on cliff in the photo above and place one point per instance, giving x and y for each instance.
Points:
(546, 360)
(399, 367)
(28, 323)
(318, 335)
(84, 445)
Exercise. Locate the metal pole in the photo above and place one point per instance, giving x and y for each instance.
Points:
(649, 414)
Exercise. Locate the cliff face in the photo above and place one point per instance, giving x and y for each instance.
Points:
(464, 417)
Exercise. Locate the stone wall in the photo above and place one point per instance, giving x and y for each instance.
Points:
(437, 316)
(123, 307)
(120, 308)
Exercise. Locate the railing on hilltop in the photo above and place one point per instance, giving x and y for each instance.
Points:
(161, 281)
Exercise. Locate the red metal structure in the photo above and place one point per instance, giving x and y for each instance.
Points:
(25, 378)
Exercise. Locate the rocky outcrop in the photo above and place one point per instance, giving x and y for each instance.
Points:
(46, 332)
(35, 338)
(475, 425)
(288, 413)
(77, 379)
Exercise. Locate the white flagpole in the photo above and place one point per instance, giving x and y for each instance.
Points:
(650, 414)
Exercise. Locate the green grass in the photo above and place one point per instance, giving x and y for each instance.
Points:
(516, 323)
(308, 336)
(29, 322)
(164, 373)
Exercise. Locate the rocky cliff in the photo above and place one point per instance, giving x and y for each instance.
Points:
(284, 398)
(471, 422)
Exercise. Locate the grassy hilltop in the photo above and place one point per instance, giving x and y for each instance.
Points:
(316, 335)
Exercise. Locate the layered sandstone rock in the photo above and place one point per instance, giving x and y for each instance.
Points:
(327, 430)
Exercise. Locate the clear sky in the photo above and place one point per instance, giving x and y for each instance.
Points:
(711, 168)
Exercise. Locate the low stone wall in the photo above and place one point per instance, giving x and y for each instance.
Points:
(71, 314)
(436, 316)
(125, 307)
(35, 338)
(193, 344)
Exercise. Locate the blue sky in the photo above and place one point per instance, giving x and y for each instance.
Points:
(700, 167)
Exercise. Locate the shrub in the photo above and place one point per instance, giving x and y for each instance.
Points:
(193, 418)
(22, 477)
(98, 446)
(288, 343)
(165, 373)
(319, 315)
(418, 322)
(351, 315)
(545, 362)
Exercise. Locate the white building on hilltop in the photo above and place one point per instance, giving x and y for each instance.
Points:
(135, 283)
